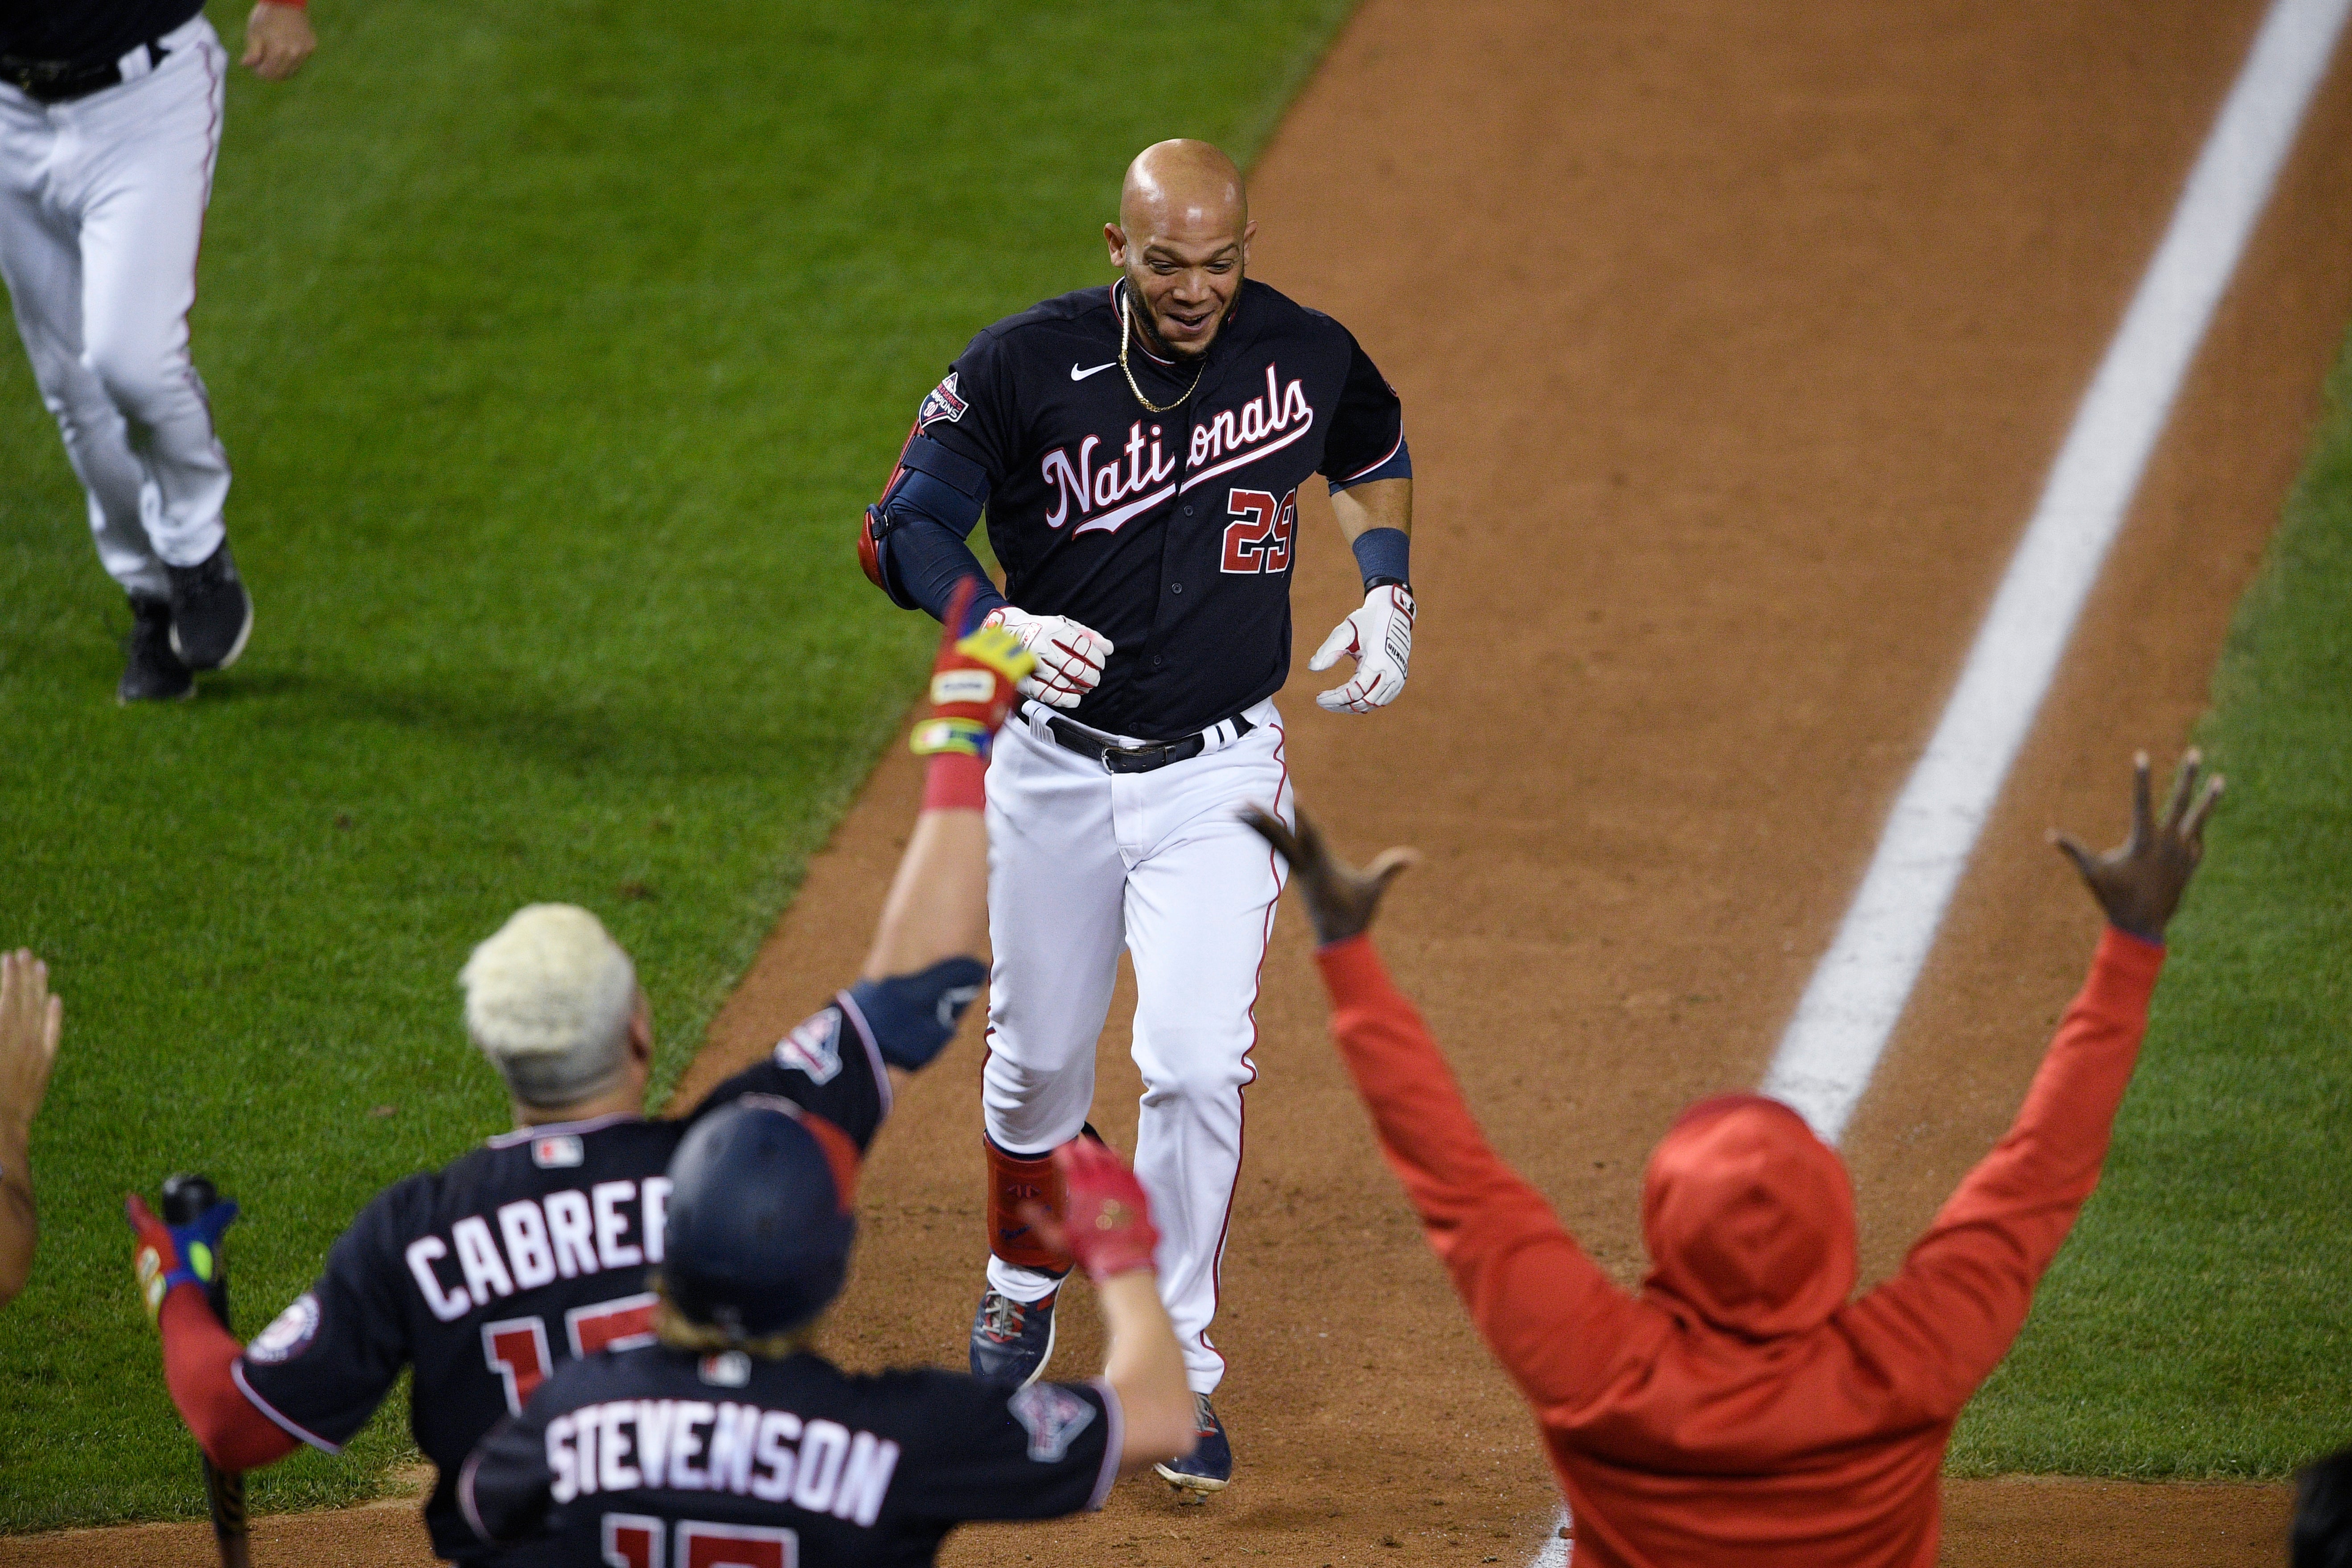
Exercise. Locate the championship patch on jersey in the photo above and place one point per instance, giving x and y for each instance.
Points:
(944, 402)
(1053, 1416)
(289, 1335)
(560, 1151)
(815, 1048)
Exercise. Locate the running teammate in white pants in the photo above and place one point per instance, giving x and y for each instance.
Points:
(110, 123)
(1139, 450)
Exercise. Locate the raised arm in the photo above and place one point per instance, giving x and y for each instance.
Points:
(1545, 1309)
(924, 966)
(1964, 1291)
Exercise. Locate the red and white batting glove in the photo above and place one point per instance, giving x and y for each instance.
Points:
(972, 682)
(1379, 637)
(1070, 658)
(1106, 1220)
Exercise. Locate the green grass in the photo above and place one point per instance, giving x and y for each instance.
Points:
(2200, 1322)
(557, 347)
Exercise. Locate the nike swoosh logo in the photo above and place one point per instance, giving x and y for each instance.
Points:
(1077, 374)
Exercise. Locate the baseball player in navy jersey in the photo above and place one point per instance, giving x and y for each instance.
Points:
(732, 1444)
(487, 1276)
(110, 123)
(1137, 450)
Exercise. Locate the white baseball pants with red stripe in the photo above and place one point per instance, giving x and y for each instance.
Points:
(1083, 863)
(102, 209)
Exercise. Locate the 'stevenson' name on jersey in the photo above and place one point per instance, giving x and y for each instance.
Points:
(695, 1446)
(567, 1234)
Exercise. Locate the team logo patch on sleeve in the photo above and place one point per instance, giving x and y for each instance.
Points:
(815, 1048)
(1053, 1417)
(289, 1335)
(944, 402)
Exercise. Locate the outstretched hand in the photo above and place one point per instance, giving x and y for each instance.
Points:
(1106, 1222)
(2139, 883)
(1340, 899)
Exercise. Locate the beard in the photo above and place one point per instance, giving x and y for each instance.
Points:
(1147, 326)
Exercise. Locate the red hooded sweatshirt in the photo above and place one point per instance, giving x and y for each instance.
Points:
(1741, 1409)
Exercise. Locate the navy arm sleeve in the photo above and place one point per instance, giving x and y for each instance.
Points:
(1367, 440)
(324, 1366)
(830, 1064)
(969, 416)
(1037, 1452)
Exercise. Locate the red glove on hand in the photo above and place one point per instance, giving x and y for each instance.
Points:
(972, 682)
(1106, 1221)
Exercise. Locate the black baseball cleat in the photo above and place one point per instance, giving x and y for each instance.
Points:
(1209, 1468)
(1012, 1341)
(151, 672)
(212, 615)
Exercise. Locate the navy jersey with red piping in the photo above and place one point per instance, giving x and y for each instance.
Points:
(489, 1275)
(87, 32)
(662, 1455)
(1172, 534)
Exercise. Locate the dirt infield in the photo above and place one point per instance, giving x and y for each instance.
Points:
(1736, 340)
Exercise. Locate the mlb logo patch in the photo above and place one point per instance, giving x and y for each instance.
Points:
(1053, 1418)
(557, 1153)
(815, 1048)
(289, 1335)
(728, 1369)
(942, 403)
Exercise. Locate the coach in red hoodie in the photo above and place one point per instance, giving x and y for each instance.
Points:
(1746, 1408)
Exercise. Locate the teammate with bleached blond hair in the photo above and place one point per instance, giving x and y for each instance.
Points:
(487, 1275)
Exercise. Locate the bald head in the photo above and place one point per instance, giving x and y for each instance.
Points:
(1182, 238)
(1183, 186)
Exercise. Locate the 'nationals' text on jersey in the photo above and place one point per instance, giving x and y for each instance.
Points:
(1172, 534)
(492, 1273)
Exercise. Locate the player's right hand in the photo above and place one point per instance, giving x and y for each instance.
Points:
(972, 681)
(1106, 1220)
(171, 1254)
(1070, 658)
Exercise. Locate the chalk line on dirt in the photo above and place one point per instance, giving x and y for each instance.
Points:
(1858, 990)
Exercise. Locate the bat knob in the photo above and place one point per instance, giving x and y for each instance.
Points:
(186, 1196)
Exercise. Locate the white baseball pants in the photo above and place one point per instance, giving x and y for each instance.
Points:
(102, 209)
(1082, 863)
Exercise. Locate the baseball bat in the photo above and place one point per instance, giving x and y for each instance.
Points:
(186, 1196)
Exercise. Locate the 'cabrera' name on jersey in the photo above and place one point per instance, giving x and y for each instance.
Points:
(1173, 534)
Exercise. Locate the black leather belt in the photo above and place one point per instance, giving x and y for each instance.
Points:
(1136, 758)
(62, 82)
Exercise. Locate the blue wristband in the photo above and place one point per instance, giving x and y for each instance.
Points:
(1384, 554)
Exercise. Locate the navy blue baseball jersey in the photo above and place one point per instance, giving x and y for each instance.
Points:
(87, 32)
(1172, 534)
(491, 1273)
(663, 1459)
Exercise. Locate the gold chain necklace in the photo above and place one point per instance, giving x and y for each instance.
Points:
(1127, 332)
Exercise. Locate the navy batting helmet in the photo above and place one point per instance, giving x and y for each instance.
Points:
(760, 1225)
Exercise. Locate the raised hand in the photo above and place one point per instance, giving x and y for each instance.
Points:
(1340, 899)
(972, 681)
(1106, 1221)
(2139, 883)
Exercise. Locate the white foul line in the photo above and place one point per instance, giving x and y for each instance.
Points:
(1857, 993)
